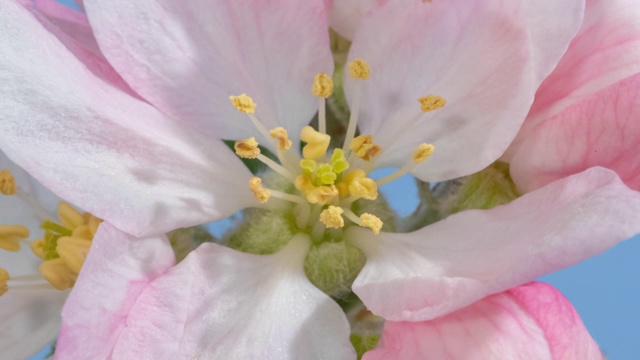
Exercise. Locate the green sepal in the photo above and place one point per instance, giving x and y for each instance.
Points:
(184, 241)
(362, 344)
(262, 232)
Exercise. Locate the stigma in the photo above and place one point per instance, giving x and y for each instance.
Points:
(326, 182)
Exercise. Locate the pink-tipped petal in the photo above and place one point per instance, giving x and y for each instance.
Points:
(72, 28)
(117, 270)
(223, 304)
(467, 256)
(105, 151)
(532, 321)
(486, 58)
(605, 50)
(600, 130)
(187, 58)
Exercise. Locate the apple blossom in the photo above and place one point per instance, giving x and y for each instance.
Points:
(148, 158)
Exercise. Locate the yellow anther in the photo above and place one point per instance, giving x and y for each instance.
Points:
(93, 223)
(317, 143)
(4, 278)
(322, 194)
(364, 147)
(69, 217)
(372, 222)
(37, 247)
(322, 85)
(243, 103)
(58, 274)
(7, 183)
(304, 184)
(359, 69)
(365, 188)
(82, 232)
(422, 152)
(331, 217)
(73, 251)
(10, 236)
(247, 148)
(281, 135)
(262, 194)
(431, 102)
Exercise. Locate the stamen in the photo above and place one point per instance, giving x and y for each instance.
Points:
(37, 247)
(277, 167)
(73, 251)
(304, 211)
(243, 103)
(69, 217)
(364, 188)
(359, 69)
(58, 274)
(281, 135)
(431, 102)
(322, 88)
(365, 220)
(10, 236)
(420, 154)
(364, 147)
(7, 183)
(4, 278)
(262, 194)
(322, 194)
(317, 143)
(331, 217)
(247, 148)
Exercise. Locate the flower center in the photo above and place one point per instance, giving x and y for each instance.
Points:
(326, 182)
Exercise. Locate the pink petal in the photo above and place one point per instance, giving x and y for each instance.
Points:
(186, 58)
(605, 50)
(72, 29)
(533, 321)
(487, 67)
(346, 15)
(600, 130)
(117, 270)
(467, 256)
(223, 304)
(101, 149)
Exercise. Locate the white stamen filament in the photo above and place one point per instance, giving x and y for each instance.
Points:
(322, 115)
(305, 213)
(353, 118)
(262, 129)
(277, 168)
(351, 216)
(397, 174)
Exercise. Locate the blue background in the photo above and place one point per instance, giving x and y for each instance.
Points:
(605, 289)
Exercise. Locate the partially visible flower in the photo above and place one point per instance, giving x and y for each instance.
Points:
(29, 309)
(532, 321)
(587, 112)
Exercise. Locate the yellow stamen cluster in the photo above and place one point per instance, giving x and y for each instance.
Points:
(4, 278)
(10, 236)
(243, 103)
(356, 183)
(7, 183)
(65, 255)
(422, 153)
(364, 147)
(331, 217)
(359, 69)
(322, 85)
(431, 102)
(372, 222)
(247, 148)
(262, 194)
(282, 136)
